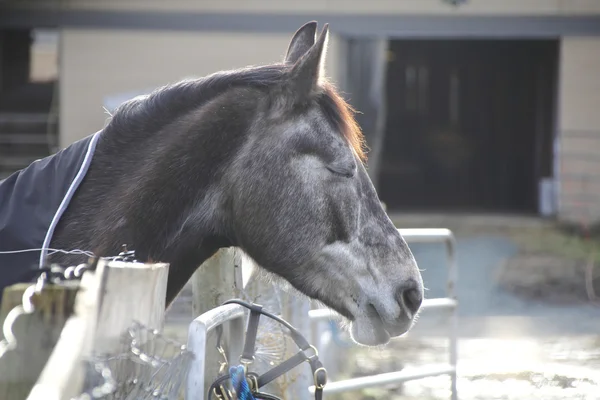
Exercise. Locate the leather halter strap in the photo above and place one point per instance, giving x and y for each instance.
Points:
(307, 353)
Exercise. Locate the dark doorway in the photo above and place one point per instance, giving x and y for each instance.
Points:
(469, 124)
(28, 97)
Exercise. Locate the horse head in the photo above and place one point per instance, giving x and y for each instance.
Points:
(268, 159)
(303, 206)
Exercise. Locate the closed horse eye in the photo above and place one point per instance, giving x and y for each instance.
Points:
(344, 172)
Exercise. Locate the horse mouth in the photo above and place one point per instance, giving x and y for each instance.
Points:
(369, 329)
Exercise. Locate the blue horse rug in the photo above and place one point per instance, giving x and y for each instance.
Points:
(32, 202)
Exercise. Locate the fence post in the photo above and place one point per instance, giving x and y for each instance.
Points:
(218, 279)
(63, 376)
(130, 292)
(115, 295)
(36, 335)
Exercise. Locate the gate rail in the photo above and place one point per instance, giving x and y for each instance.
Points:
(437, 235)
(199, 329)
(235, 315)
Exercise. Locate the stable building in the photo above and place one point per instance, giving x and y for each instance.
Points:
(471, 106)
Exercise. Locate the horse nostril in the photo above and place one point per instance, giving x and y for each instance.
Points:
(410, 298)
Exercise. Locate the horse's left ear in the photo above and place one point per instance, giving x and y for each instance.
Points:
(303, 40)
(309, 68)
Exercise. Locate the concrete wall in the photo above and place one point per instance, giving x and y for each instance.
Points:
(579, 129)
(95, 64)
(507, 7)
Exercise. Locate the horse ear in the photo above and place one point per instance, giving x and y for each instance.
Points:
(303, 39)
(307, 71)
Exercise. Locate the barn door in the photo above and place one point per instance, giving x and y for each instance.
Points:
(466, 126)
(427, 150)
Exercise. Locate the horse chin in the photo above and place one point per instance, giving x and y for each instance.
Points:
(368, 330)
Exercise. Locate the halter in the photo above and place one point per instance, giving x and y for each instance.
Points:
(246, 383)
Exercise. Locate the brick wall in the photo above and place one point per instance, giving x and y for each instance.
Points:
(579, 124)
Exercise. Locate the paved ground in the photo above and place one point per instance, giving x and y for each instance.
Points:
(485, 310)
(509, 348)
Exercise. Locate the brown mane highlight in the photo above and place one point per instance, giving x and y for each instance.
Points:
(342, 115)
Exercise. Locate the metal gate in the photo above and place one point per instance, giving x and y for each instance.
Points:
(199, 328)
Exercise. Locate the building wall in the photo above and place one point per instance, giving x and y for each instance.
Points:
(579, 129)
(95, 64)
(508, 7)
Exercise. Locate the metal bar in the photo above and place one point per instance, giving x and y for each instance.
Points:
(446, 236)
(385, 379)
(427, 235)
(453, 345)
(325, 314)
(197, 336)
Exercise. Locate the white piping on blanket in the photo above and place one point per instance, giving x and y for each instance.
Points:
(67, 199)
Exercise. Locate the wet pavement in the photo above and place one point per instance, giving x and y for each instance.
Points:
(508, 348)
(508, 369)
(485, 309)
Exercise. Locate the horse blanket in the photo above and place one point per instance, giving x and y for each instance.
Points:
(32, 202)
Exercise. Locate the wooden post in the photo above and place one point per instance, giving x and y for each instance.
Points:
(118, 294)
(36, 334)
(115, 296)
(63, 376)
(130, 292)
(218, 279)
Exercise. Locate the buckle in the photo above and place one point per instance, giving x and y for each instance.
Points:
(252, 382)
(225, 393)
(319, 385)
(222, 364)
(311, 357)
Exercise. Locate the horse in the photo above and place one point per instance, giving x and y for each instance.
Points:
(268, 159)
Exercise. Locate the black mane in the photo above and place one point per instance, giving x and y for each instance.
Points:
(172, 101)
(154, 111)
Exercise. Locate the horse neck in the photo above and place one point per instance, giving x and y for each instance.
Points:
(172, 180)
